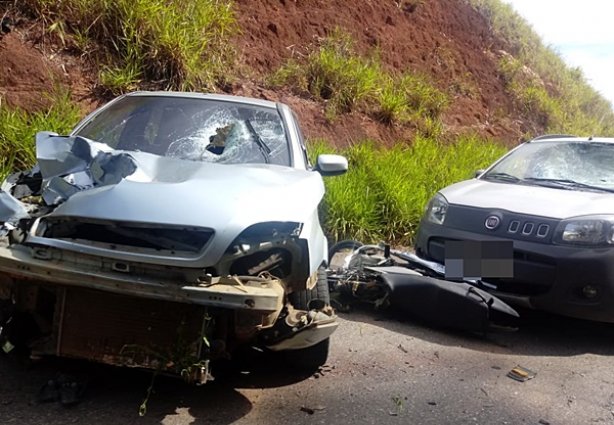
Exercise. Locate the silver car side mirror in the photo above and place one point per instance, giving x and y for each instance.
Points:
(331, 165)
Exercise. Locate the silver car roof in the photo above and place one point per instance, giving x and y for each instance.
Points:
(209, 96)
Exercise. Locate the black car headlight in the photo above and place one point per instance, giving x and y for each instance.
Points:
(589, 230)
(436, 209)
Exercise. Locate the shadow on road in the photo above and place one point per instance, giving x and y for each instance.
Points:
(114, 392)
(538, 333)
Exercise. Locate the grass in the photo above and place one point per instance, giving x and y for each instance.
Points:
(173, 45)
(383, 195)
(409, 98)
(351, 205)
(18, 128)
(560, 96)
(121, 79)
(335, 74)
(571, 108)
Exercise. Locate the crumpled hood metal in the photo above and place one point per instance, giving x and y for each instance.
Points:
(71, 164)
(11, 210)
(177, 192)
(91, 180)
(532, 200)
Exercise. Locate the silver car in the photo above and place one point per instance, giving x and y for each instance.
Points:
(166, 231)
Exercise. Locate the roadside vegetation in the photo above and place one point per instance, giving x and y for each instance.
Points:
(550, 92)
(145, 43)
(334, 73)
(18, 128)
(383, 195)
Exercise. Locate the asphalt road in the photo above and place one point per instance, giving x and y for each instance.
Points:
(381, 370)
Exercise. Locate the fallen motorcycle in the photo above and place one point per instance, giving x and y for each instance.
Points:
(398, 280)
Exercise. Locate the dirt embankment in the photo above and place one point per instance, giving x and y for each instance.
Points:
(30, 69)
(445, 39)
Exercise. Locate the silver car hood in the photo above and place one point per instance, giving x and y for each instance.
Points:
(187, 193)
(88, 181)
(532, 200)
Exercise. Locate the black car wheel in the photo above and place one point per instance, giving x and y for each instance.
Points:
(301, 299)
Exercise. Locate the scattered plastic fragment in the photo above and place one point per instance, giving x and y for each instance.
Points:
(521, 374)
(7, 347)
(312, 410)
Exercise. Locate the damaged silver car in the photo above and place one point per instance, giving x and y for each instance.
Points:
(166, 231)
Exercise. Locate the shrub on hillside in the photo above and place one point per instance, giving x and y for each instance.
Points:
(176, 45)
(346, 81)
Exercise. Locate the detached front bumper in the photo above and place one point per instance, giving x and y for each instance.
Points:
(238, 293)
(566, 280)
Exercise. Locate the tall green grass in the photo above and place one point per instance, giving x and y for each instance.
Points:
(561, 99)
(383, 195)
(173, 44)
(346, 81)
(18, 128)
(333, 73)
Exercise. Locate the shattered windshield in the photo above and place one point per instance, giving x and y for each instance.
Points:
(581, 165)
(195, 129)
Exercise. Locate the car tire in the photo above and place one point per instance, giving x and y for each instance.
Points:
(311, 358)
(301, 299)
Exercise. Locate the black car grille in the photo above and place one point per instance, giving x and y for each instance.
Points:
(123, 236)
(510, 225)
(528, 228)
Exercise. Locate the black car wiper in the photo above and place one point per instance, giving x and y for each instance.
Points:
(502, 177)
(566, 184)
(264, 149)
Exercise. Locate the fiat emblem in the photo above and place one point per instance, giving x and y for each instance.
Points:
(492, 222)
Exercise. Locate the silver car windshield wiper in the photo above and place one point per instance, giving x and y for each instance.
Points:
(264, 149)
(504, 177)
(565, 184)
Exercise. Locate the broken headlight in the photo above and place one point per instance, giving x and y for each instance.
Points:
(590, 230)
(436, 209)
(270, 230)
(264, 247)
